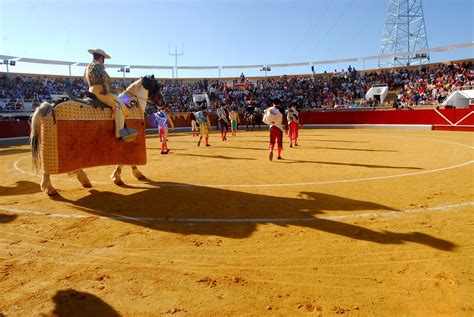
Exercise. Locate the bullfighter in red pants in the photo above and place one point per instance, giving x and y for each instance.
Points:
(293, 125)
(274, 118)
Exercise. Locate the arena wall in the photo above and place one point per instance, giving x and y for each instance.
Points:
(408, 117)
(451, 117)
(442, 119)
(14, 128)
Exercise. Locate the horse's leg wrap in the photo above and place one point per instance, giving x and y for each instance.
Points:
(137, 173)
(116, 176)
(46, 185)
(82, 177)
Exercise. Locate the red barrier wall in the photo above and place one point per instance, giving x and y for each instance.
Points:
(182, 120)
(429, 117)
(388, 117)
(13, 128)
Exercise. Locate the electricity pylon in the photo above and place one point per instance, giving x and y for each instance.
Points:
(404, 34)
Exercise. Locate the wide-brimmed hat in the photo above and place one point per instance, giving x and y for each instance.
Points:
(99, 51)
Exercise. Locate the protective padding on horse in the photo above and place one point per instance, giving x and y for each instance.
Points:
(49, 149)
(88, 139)
(71, 110)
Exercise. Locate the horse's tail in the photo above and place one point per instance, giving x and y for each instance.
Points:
(35, 135)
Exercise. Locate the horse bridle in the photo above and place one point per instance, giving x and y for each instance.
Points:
(140, 98)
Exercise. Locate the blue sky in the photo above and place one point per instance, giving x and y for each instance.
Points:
(225, 32)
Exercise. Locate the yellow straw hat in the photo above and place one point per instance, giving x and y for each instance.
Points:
(99, 51)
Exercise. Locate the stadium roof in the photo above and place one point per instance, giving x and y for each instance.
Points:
(114, 65)
(198, 67)
(242, 66)
(335, 61)
(435, 49)
(289, 65)
(44, 61)
(106, 65)
(451, 47)
(7, 57)
(150, 67)
(386, 56)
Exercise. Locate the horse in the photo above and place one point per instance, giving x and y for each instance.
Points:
(72, 135)
(253, 118)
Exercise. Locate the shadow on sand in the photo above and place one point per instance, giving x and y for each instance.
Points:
(188, 209)
(347, 149)
(222, 157)
(7, 218)
(74, 303)
(290, 161)
(4, 151)
(20, 188)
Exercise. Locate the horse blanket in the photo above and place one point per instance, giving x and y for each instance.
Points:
(76, 136)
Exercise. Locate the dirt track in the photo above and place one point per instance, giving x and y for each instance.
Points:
(360, 222)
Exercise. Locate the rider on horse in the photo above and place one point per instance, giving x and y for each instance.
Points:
(250, 108)
(99, 84)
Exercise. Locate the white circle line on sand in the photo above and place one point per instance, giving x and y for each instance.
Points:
(157, 184)
(390, 214)
(441, 141)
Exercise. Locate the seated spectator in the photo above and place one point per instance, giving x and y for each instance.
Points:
(428, 86)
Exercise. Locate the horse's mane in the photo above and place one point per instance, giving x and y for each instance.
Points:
(133, 87)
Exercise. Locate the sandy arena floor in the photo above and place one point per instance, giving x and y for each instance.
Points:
(354, 222)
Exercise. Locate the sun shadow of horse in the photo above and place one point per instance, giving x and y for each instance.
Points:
(188, 209)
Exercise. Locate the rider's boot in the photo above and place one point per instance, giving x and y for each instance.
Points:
(125, 134)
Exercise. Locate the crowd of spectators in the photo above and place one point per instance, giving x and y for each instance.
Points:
(345, 89)
(427, 85)
(433, 84)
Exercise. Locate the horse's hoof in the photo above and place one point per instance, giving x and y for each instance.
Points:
(87, 185)
(51, 192)
(118, 182)
(138, 175)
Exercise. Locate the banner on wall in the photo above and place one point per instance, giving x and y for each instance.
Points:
(243, 86)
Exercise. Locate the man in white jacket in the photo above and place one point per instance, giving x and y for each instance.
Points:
(273, 117)
(293, 123)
